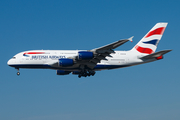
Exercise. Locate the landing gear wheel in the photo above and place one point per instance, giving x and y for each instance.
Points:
(18, 73)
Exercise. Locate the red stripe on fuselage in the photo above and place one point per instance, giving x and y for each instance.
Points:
(158, 31)
(34, 53)
(144, 50)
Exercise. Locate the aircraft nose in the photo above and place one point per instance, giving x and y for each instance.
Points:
(9, 62)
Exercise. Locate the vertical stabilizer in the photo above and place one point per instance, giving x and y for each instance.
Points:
(149, 42)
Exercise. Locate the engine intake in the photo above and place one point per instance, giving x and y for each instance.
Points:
(62, 72)
(65, 62)
(85, 55)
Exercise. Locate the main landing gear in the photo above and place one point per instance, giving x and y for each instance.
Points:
(18, 73)
(86, 73)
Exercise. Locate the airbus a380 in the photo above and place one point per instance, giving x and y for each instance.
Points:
(87, 62)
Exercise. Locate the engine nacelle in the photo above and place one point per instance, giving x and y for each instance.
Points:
(85, 55)
(65, 62)
(62, 72)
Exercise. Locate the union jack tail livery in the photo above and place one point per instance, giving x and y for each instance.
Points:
(148, 44)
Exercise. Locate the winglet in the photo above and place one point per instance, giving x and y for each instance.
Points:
(130, 39)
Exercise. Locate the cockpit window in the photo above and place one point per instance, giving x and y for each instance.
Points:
(14, 58)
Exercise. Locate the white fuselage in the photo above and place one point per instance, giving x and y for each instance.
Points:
(49, 58)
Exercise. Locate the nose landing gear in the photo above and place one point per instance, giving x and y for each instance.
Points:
(18, 73)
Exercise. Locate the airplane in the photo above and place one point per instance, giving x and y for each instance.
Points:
(86, 62)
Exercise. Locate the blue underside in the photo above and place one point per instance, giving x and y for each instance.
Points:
(97, 67)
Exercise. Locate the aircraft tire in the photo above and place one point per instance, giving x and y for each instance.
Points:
(79, 76)
(18, 73)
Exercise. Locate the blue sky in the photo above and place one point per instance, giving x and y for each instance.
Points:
(144, 92)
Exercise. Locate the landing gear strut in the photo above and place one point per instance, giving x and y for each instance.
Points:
(18, 73)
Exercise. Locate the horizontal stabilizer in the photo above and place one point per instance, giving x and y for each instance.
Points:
(157, 54)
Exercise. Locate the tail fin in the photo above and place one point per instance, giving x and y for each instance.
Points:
(149, 42)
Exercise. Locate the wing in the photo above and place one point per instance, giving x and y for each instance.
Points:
(102, 52)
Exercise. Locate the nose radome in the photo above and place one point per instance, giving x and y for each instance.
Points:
(9, 62)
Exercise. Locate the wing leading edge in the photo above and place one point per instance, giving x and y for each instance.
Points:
(112, 45)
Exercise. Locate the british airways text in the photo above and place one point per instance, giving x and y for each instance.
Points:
(35, 57)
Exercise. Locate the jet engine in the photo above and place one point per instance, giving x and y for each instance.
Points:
(62, 72)
(65, 62)
(85, 55)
